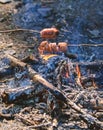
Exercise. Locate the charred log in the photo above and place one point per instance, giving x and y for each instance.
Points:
(17, 94)
(90, 65)
(70, 55)
(6, 72)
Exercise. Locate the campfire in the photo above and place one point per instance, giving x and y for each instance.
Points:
(52, 80)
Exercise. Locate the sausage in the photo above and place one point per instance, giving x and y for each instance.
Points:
(42, 46)
(45, 46)
(63, 46)
(49, 33)
(54, 47)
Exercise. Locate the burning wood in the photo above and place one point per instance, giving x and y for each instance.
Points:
(86, 80)
(78, 75)
(48, 56)
(88, 73)
(78, 71)
(94, 84)
(89, 119)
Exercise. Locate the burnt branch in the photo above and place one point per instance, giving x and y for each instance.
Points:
(17, 30)
(15, 94)
(6, 116)
(91, 65)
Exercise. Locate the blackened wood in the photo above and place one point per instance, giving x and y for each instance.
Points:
(6, 116)
(70, 55)
(90, 65)
(6, 72)
(15, 94)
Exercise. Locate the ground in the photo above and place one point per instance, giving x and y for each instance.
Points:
(12, 43)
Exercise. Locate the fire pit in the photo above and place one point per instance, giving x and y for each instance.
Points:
(61, 87)
(62, 79)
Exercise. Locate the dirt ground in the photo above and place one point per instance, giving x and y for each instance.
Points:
(15, 43)
(18, 41)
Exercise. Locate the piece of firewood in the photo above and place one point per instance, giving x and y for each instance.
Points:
(92, 122)
(15, 94)
(6, 116)
(91, 65)
(6, 72)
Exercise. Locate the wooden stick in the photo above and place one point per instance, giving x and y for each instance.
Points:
(95, 64)
(41, 125)
(89, 119)
(17, 30)
(6, 116)
(15, 62)
(89, 45)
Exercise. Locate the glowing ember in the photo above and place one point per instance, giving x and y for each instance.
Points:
(78, 71)
(78, 76)
(48, 56)
(94, 84)
(67, 75)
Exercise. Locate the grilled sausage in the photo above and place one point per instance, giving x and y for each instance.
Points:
(49, 33)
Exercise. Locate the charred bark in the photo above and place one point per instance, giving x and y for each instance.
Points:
(90, 65)
(16, 94)
(6, 72)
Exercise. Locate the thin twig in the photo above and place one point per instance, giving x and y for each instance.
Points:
(92, 45)
(18, 29)
(40, 125)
